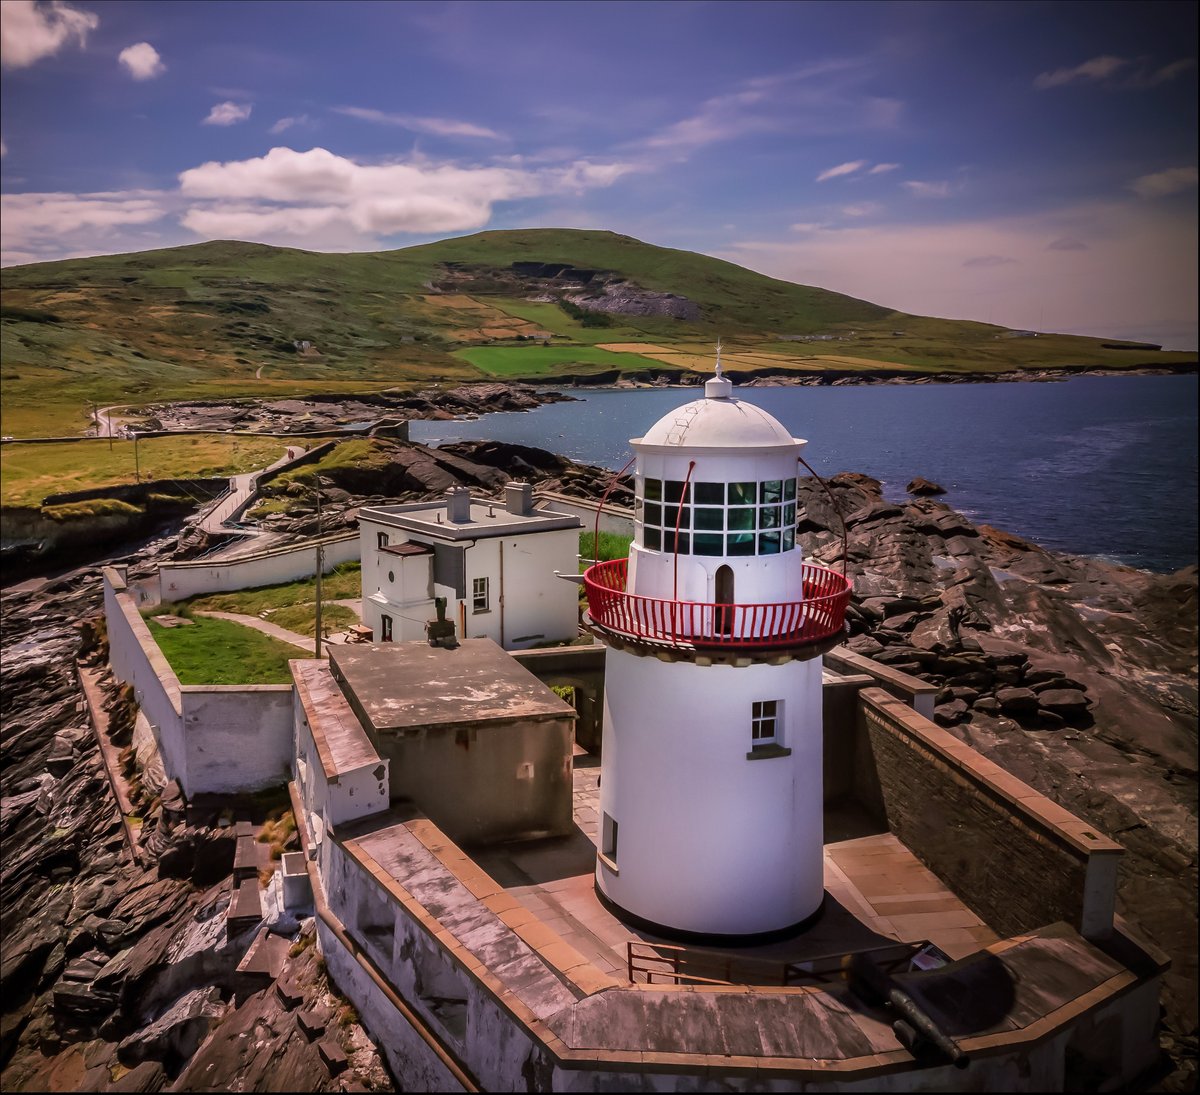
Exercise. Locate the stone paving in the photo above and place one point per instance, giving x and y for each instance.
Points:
(877, 893)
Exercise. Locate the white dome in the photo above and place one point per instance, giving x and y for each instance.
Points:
(717, 423)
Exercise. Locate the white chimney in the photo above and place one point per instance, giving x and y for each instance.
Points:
(518, 498)
(458, 505)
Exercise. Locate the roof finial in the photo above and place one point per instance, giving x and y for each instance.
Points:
(718, 387)
(719, 373)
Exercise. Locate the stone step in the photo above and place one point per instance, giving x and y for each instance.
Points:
(245, 910)
(247, 860)
(333, 1056)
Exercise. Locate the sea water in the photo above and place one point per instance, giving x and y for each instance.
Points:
(1094, 465)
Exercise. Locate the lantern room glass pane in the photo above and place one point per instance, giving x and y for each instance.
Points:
(675, 490)
(771, 491)
(709, 494)
(789, 515)
(653, 489)
(652, 538)
(707, 543)
(709, 518)
(741, 519)
(768, 517)
(789, 539)
(741, 543)
(669, 542)
(653, 514)
(789, 489)
(768, 543)
(743, 494)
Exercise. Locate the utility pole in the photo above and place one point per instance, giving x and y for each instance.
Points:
(320, 562)
(137, 468)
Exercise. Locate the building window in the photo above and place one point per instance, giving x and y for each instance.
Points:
(391, 575)
(385, 629)
(750, 518)
(608, 839)
(764, 722)
(480, 599)
(381, 539)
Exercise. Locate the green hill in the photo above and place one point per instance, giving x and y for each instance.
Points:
(227, 318)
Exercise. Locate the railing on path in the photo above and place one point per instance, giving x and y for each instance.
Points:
(820, 614)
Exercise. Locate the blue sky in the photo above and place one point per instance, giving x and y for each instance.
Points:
(1029, 164)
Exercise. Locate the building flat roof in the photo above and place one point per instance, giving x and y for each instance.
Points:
(488, 518)
(403, 686)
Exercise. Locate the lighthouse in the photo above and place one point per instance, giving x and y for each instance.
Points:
(711, 780)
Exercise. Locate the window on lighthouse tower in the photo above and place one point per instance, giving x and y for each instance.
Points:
(745, 518)
(764, 722)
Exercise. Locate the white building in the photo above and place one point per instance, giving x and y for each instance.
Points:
(711, 794)
(493, 562)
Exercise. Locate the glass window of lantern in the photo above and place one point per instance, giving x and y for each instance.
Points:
(789, 489)
(652, 489)
(652, 538)
(743, 494)
(709, 494)
(740, 543)
(709, 518)
(770, 492)
(768, 543)
(708, 543)
(676, 490)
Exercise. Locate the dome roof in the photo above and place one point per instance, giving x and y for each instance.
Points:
(718, 423)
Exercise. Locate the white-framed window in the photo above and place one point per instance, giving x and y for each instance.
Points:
(765, 720)
(381, 539)
(480, 595)
(385, 629)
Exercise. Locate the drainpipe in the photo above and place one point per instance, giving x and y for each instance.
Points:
(502, 593)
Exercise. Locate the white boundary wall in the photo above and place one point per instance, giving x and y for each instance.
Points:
(178, 581)
(212, 738)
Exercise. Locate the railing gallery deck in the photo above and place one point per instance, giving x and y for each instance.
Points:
(821, 614)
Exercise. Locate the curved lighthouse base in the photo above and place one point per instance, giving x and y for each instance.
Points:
(708, 939)
(707, 830)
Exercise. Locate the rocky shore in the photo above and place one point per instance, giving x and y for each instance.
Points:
(1077, 675)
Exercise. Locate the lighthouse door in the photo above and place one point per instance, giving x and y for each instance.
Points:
(723, 616)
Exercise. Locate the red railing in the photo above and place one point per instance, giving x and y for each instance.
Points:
(821, 614)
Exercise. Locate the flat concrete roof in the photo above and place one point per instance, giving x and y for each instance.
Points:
(488, 518)
(402, 686)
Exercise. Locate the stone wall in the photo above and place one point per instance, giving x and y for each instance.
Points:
(1014, 857)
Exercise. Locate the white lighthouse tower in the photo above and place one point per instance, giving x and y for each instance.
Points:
(711, 785)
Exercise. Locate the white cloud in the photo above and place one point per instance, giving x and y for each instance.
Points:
(285, 124)
(3, 148)
(141, 61)
(861, 209)
(841, 169)
(807, 226)
(29, 31)
(47, 225)
(821, 99)
(290, 192)
(986, 262)
(939, 189)
(1162, 183)
(1135, 273)
(883, 168)
(440, 127)
(1169, 72)
(1098, 68)
(227, 114)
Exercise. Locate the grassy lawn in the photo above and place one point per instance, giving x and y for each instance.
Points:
(343, 583)
(612, 546)
(30, 472)
(303, 618)
(550, 360)
(210, 651)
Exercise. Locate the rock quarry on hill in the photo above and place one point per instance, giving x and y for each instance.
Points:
(1075, 674)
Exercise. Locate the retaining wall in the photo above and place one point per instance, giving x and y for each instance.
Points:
(1012, 855)
(212, 738)
(180, 580)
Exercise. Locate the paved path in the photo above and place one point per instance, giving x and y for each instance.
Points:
(242, 488)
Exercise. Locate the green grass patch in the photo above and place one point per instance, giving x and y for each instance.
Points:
(612, 546)
(91, 507)
(209, 651)
(343, 583)
(552, 360)
(28, 473)
(303, 618)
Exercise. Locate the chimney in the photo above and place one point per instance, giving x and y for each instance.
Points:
(458, 506)
(518, 498)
